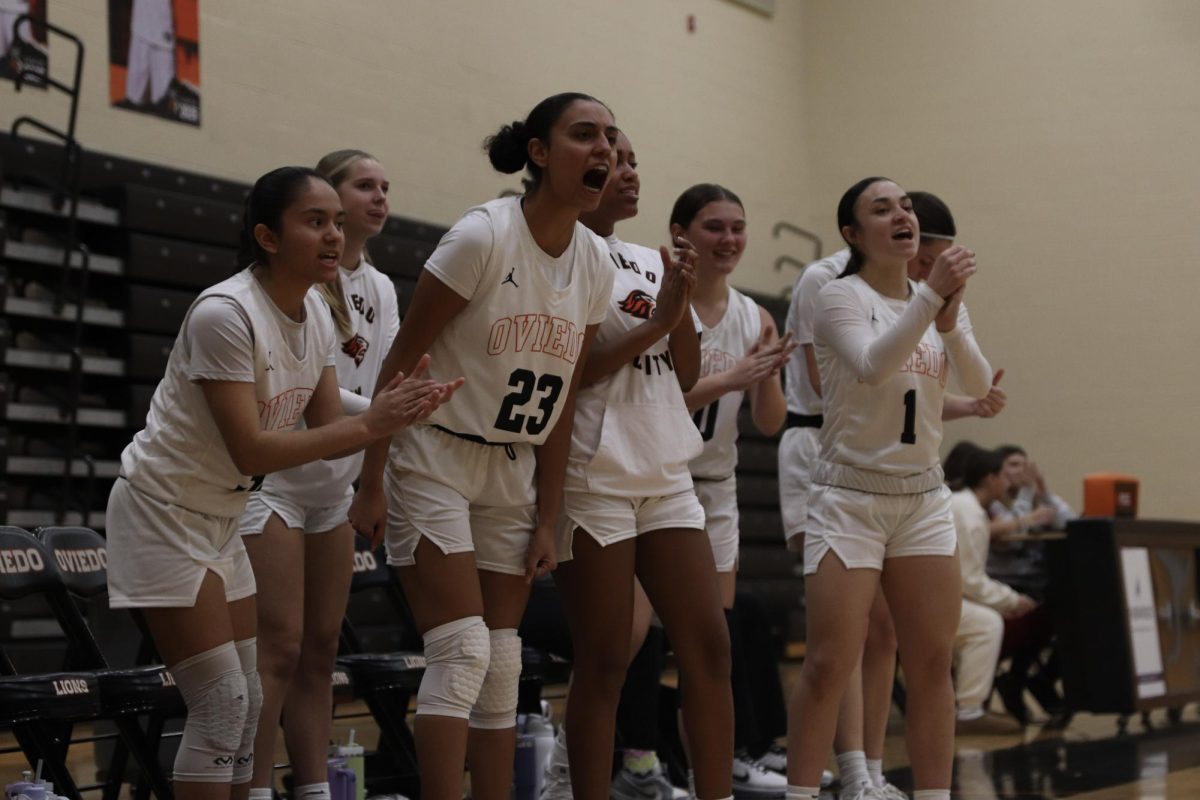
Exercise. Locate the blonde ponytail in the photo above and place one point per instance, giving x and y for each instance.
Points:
(336, 298)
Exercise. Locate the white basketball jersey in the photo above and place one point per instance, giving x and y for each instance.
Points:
(801, 399)
(374, 319)
(721, 347)
(518, 339)
(633, 436)
(882, 438)
(180, 457)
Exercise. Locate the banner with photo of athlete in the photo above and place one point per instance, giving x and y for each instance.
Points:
(154, 57)
(23, 46)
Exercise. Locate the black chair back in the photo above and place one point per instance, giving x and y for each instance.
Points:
(25, 567)
(81, 558)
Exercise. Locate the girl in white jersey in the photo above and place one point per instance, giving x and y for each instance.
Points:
(510, 299)
(296, 531)
(862, 722)
(630, 508)
(878, 504)
(254, 357)
(741, 354)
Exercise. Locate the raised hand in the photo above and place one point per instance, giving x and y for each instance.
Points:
(674, 296)
(951, 270)
(993, 403)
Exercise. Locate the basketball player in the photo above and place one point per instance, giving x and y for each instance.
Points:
(254, 356)
(877, 488)
(630, 508)
(511, 299)
(867, 701)
(741, 353)
(300, 543)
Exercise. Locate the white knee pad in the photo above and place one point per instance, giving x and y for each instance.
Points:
(243, 759)
(456, 661)
(496, 707)
(214, 688)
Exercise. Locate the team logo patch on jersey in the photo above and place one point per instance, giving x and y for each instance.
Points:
(356, 347)
(638, 304)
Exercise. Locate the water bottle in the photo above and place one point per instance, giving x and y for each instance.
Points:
(535, 743)
(342, 783)
(26, 789)
(354, 756)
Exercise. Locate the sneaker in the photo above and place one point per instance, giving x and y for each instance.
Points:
(775, 759)
(890, 792)
(649, 785)
(556, 783)
(864, 791)
(751, 780)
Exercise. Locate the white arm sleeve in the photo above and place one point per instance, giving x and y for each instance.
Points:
(973, 371)
(840, 320)
(353, 404)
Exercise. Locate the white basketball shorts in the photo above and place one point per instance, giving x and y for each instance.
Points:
(461, 495)
(863, 529)
(158, 552)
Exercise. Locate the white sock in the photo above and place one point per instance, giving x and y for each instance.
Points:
(931, 794)
(875, 770)
(261, 793)
(313, 791)
(558, 756)
(802, 792)
(852, 766)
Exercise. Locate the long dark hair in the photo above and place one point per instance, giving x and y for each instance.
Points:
(846, 219)
(508, 148)
(265, 204)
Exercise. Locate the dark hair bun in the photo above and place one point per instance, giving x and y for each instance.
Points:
(508, 149)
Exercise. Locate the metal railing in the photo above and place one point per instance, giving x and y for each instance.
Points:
(65, 198)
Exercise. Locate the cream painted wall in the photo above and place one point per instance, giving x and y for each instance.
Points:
(421, 82)
(1063, 136)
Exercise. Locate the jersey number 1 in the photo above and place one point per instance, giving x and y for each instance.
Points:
(525, 382)
(909, 434)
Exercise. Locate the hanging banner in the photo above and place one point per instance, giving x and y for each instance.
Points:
(154, 57)
(23, 45)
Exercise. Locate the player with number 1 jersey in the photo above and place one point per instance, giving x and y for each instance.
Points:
(878, 510)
